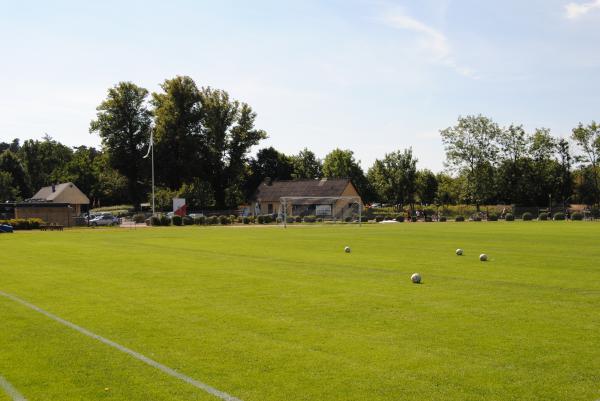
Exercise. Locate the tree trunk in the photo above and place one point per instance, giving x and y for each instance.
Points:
(219, 196)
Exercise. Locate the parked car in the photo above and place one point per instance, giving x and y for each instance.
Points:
(6, 228)
(104, 220)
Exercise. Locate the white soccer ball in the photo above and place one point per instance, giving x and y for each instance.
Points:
(483, 257)
(347, 249)
(459, 252)
(415, 278)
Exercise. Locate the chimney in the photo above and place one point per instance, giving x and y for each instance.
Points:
(53, 188)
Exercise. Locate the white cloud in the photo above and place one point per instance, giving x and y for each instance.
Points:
(431, 39)
(576, 10)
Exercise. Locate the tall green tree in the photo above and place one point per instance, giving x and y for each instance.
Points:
(123, 122)
(7, 191)
(427, 187)
(43, 159)
(228, 133)
(80, 171)
(306, 165)
(111, 187)
(471, 148)
(341, 164)
(448, 191)
(513, 164)
(393, 178)
(12, 166)
(177, 131)
(13, 146)
(271, 163)
(542, 174)
(564, 176)
(588, 139)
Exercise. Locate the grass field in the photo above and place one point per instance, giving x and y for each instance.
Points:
(267, 314)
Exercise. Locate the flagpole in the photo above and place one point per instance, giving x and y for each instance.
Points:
(151, 149)
(153, 213)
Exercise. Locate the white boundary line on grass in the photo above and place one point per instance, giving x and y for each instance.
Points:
(10, 390)
(171, 372)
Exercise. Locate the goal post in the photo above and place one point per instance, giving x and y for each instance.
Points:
(327, 208)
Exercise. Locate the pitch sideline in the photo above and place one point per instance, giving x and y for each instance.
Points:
(9, 389)
(165, 369)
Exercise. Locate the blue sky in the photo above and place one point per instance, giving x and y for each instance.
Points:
(371, 76)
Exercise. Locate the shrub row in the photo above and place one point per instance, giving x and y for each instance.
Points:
(23, 224)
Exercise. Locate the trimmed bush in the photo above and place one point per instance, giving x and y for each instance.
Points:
(177, 220)
(309, 219)
(164, 220)
(224, 220)
(476, 218)
(509, 217)
(577, 216)
(543, 217)
(559, 216)
(400, 218)
(213, 220)
(200, 220)
(298, 219)
(492, 217)
(459, 218)
(364, 219)
(23, 224)
(413, 219)
(348, 219)
(246, 220)
(154, 221)
(139, 218)
(378, 218)
(319, 219)
(188, 221)
(442, 219)
(527, 216)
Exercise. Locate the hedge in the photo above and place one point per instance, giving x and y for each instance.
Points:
(543, 217)
(577, 216)
(509, 217)
(559, 216)
(23, 224)
(309, 219)
(459, 218)
(527, 216)
(176, 220)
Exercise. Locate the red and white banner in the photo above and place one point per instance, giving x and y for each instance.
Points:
(179, 206)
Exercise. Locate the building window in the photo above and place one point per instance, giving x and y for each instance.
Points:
(270, 208)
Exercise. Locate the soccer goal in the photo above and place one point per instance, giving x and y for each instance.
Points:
(330, 208)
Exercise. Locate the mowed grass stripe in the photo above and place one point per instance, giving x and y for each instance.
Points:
(298, 319)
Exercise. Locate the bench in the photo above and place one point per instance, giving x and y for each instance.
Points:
(51, 227)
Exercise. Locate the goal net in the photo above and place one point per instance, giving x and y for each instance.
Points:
(332, 208)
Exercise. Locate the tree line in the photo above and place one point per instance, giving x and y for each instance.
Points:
(202, 141)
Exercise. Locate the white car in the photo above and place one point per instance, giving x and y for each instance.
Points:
(104, 220)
